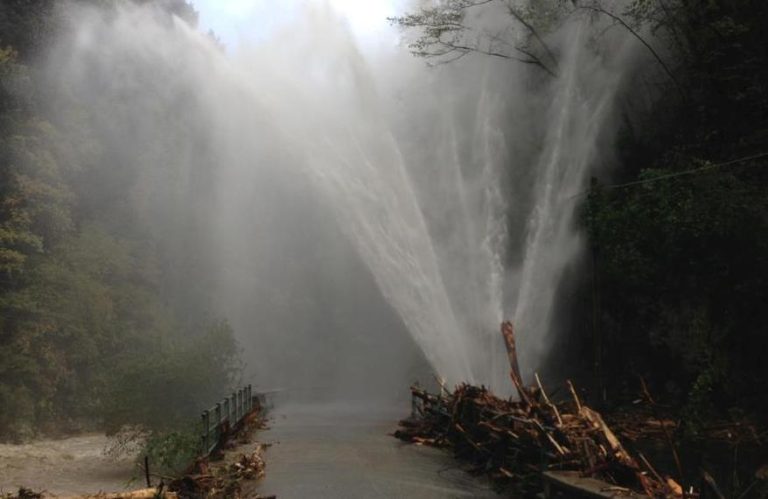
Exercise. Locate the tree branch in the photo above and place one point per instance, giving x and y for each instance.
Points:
(444, 34)
(532, 59)
(642, 40)
(513, 12)
(530, 55)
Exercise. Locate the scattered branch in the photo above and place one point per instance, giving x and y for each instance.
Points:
(667, 435)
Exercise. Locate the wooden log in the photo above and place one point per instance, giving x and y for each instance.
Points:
(552, 406)
(150, 493)
(508, 332)
(575, 396)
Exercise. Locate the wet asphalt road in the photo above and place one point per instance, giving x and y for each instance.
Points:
(319, 451)
(324, 451)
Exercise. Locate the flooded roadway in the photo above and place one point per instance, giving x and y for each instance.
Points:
(326, 451)
(318, 451)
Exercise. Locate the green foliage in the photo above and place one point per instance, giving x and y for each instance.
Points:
(93, 342)
(170, 453)
(100, 326)
(175, 381)
(34, 201)
(683, 249)
(683, 264)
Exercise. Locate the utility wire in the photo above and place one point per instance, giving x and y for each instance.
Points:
(689, 172)
(680, 174)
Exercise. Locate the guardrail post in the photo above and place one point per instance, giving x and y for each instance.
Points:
(235, 416)
(206, 426)
(240, 404)
(226, 410)
(248, 398)
(217, 412)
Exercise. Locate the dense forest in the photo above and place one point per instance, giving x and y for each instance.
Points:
(674, 289)
(102, 322)
(679, 233)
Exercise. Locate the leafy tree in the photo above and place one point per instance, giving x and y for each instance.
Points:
(682, 275)
(449, 31)
(101, 324)
(682, 246)
(176, 380)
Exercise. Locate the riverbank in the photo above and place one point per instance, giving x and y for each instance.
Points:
(68, 466)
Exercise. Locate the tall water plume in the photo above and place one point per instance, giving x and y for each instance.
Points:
(579, 122)
(315, 170)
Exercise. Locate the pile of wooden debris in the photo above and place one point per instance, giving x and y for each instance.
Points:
(248, 467)
(223, 480)
(222, 476)
(22, 493)
(149, 493)
(514, 441)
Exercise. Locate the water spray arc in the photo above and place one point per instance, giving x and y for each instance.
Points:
(433, 177)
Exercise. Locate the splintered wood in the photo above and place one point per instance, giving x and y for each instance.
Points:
(514, 441)
(223, 481)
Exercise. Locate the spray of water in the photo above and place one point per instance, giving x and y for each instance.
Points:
(328, 170)
(582, 105)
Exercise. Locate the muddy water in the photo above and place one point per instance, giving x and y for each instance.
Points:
(319, 451)
(325, 451)
(68, 466)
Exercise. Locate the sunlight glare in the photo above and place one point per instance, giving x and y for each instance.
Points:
(365, 16)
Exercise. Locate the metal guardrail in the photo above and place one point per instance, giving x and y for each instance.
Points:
(224, 416)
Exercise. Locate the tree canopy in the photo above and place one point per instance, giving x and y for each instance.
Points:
(95, 330)
(678, 228)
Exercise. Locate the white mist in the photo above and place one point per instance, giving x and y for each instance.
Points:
(334, 168)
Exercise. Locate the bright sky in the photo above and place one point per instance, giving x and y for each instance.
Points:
(233, 20)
